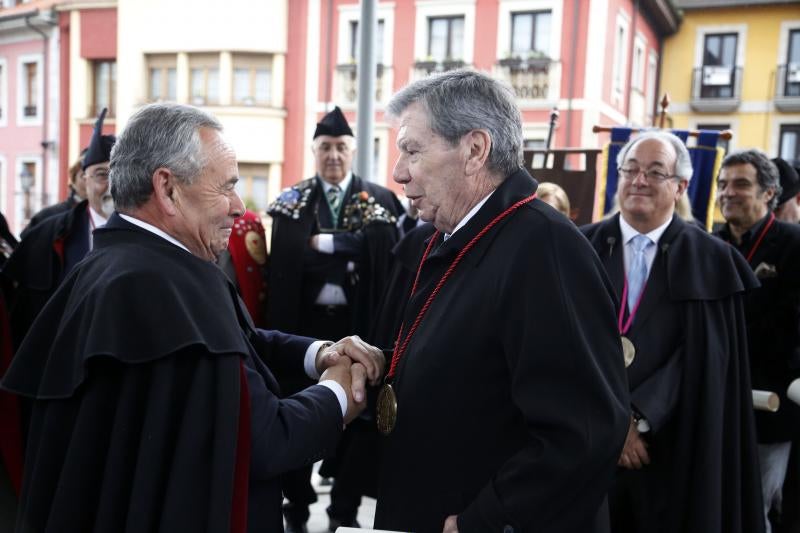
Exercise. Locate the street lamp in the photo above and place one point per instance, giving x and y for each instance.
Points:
(26, 181)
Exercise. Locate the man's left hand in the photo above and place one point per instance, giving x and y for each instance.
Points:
(359, 352)
(451, 524)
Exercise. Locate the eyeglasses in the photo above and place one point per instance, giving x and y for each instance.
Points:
(653, 176)
(100, 176)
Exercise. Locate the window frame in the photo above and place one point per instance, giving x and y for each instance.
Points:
(163, 63)
(23, 118)
(784, 129)
(96, 108)
(448, 48)
(536, 13)
(253, 63)
(718, 90)
(206, 63)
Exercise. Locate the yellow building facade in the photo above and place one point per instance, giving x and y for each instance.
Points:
(737, 68)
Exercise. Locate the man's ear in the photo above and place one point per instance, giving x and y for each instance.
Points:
(165, 191)
(479, 145)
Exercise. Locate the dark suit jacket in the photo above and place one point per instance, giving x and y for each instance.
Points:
(773, 324)
(690, 380)
(152, 407)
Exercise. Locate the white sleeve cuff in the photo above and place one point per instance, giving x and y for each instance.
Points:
(325, 243)
(338, 390)
(310, 361)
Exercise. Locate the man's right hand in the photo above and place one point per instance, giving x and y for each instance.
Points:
(634, 452)
(350, 376)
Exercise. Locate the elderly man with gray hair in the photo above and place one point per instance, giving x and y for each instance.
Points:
(748, 189)
(689, 462)
(152, 407)
(505, 406)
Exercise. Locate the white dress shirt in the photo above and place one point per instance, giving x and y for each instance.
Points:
(628, 233)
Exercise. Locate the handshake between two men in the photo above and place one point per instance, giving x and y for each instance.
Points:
(351, 363)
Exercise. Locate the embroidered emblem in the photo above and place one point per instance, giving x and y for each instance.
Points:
(291, 201)
(363, 210)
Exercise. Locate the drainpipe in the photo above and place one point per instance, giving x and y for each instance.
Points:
(328, 73)
(46, 144)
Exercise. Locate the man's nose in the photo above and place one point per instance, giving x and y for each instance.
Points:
(400, 171)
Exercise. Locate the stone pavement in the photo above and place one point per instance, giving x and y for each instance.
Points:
(318, 522)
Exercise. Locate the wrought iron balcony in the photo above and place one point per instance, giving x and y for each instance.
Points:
(529, 78)
(425, 68)
(347, 83)
(716, 89)
(787, 87)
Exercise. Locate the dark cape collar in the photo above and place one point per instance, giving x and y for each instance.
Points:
(698, 266)
(136, 298)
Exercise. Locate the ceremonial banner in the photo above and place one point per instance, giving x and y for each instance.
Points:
(706, 160)
(608, 171)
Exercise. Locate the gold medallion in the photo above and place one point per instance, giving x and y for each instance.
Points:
(628, 350)
(386, 410)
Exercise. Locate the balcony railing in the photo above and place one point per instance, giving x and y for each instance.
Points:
(530, 79)
(787, 87)
(423, 69)
(347, 83)
(716, 89)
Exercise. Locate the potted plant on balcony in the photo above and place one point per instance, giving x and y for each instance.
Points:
(511, 61)
(428, 64)
(452, 64)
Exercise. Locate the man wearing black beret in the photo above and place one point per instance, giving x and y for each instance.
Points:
(788, 209)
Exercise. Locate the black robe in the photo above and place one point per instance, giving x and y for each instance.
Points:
(512, 399)
(152, 410)
(50, 211)
(773, 324)
(41, 261)
(690, 380)
(297, 273)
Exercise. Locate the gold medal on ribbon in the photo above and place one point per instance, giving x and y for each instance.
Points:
(386, 410)
(628, 350)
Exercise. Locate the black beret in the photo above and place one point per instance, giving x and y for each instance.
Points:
(333, 124)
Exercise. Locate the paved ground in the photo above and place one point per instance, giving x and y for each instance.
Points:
(318, 523)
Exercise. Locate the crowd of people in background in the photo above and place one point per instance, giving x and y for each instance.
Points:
(470, 358)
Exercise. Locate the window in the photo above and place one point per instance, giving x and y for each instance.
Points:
(354, 34)
(30, 94)
(446, 38)
(652, 72)
(792, 84)
(204, 79)
(2, 92)
(620, 57)
(162, 72)
(253, 186)
(719, 62)
(105, 87)
(530, 34)
(252, 79)
(637, 75)
(790, 144)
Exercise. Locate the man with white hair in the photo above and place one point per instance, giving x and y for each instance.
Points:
(332, 236)
(689, 462)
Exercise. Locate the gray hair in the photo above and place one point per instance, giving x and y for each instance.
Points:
(156, 136)
(683, 161)
(463, 100)
(767, 173)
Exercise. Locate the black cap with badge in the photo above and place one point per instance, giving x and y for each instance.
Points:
(790, 181)
(333, 124)
(100, 145)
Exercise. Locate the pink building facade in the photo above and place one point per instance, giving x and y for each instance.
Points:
(29, 97)
(595, 61)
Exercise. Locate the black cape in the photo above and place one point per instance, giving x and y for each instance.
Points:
(773, 325)
(714, 483)
(296, 272)
(512, 400)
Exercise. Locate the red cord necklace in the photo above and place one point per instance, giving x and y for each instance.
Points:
(387, 399)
